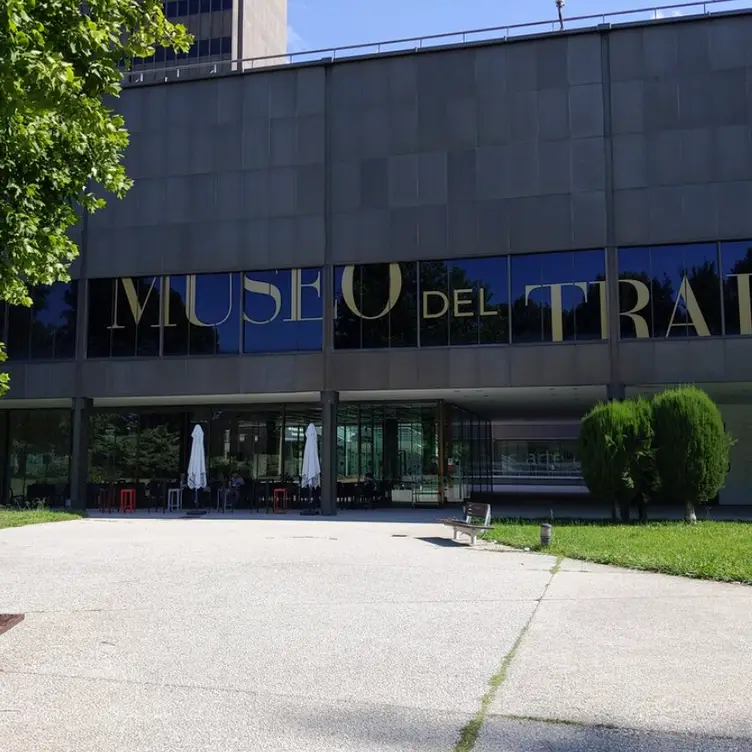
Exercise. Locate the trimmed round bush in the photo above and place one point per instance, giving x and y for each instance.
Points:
(691, 446)
(604, 455)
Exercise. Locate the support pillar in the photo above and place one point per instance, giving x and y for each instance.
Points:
(79, 468)
(329, 402)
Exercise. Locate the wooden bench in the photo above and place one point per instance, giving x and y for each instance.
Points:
(469, 526)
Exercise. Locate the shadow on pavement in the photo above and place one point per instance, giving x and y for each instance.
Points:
(443, 542)
(503, 734)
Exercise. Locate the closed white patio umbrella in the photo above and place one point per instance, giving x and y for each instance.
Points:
(197, 464)
(311, 475)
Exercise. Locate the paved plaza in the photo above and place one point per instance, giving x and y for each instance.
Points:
(367, 632)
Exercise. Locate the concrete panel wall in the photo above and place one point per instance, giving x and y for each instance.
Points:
(473, 151)
(203, 376)
(681, 131)
(229, 175)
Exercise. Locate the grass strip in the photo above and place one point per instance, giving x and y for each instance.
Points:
(708, 550)
(12, 518)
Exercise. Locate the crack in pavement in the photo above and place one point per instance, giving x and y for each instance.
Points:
(470, 732)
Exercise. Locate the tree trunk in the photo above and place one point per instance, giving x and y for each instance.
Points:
(642, 507)
(624, 511)
(689, 513)
(614, 512)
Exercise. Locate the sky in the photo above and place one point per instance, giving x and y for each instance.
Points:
(319, 24)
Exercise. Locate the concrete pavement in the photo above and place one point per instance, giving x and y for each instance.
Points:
(363, 632)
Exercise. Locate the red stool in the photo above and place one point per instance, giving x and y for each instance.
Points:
(128, 500)
(279, 501)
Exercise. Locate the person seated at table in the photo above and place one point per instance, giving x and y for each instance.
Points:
(236, 483)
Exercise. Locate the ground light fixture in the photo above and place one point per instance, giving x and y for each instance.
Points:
(546, 533)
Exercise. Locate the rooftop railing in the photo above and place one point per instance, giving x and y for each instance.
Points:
(187, 69)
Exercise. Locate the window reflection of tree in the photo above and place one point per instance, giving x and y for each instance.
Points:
(705, 282)
(742, 265)
(47, 329)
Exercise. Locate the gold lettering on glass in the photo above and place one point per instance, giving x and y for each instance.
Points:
(601, 285)
(427, 295)
(557, 307)
(190, 302)
(642, 331)
(696, 319)
(461, 300)
(482, 305)
(296, 295)
(262, 288)
(348, 291)
(745, 302)
(131, 295)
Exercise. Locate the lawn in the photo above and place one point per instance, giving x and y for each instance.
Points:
(708, 550)
(11, 518)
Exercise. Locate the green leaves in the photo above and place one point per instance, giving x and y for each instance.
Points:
(61, 146)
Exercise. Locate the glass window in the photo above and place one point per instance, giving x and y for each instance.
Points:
(480, 301)
(547, 291)
(135, 324)
(376, 306)
(282, 310)
(19, 330)
(215, 45)
(213, 312)
(541, 458)
(435, 305)
(737, 270)
(226, 45)
(100, 317)
(670, 291)
(39, 457)
(53, 321)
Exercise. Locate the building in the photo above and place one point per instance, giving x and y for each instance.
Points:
(224, 31)
(441, 258)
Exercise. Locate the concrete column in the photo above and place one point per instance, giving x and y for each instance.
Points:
(329, 402)
(617, 392)
(79, 469)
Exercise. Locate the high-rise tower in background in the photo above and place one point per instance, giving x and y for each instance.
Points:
(225, 30)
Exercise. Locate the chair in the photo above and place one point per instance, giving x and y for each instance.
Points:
(127, 500)
(175, 500)
(104, 499)
(279, 501)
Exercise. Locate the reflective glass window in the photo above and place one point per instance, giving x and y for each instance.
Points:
(283, 310)
(479, 301)
(670, 291)
(19, 330)
(549, 290)
(99, 333)
(539, 458)
(53, 321)
(736, 261)
(376, 306)
(39, 457)
(435, 306)
(213, 309)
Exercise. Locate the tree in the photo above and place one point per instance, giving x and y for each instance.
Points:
(60, 61)
(604, 455)
(641, 476)
(692, 447)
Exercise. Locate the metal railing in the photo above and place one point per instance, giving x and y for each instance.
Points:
(180, 69)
